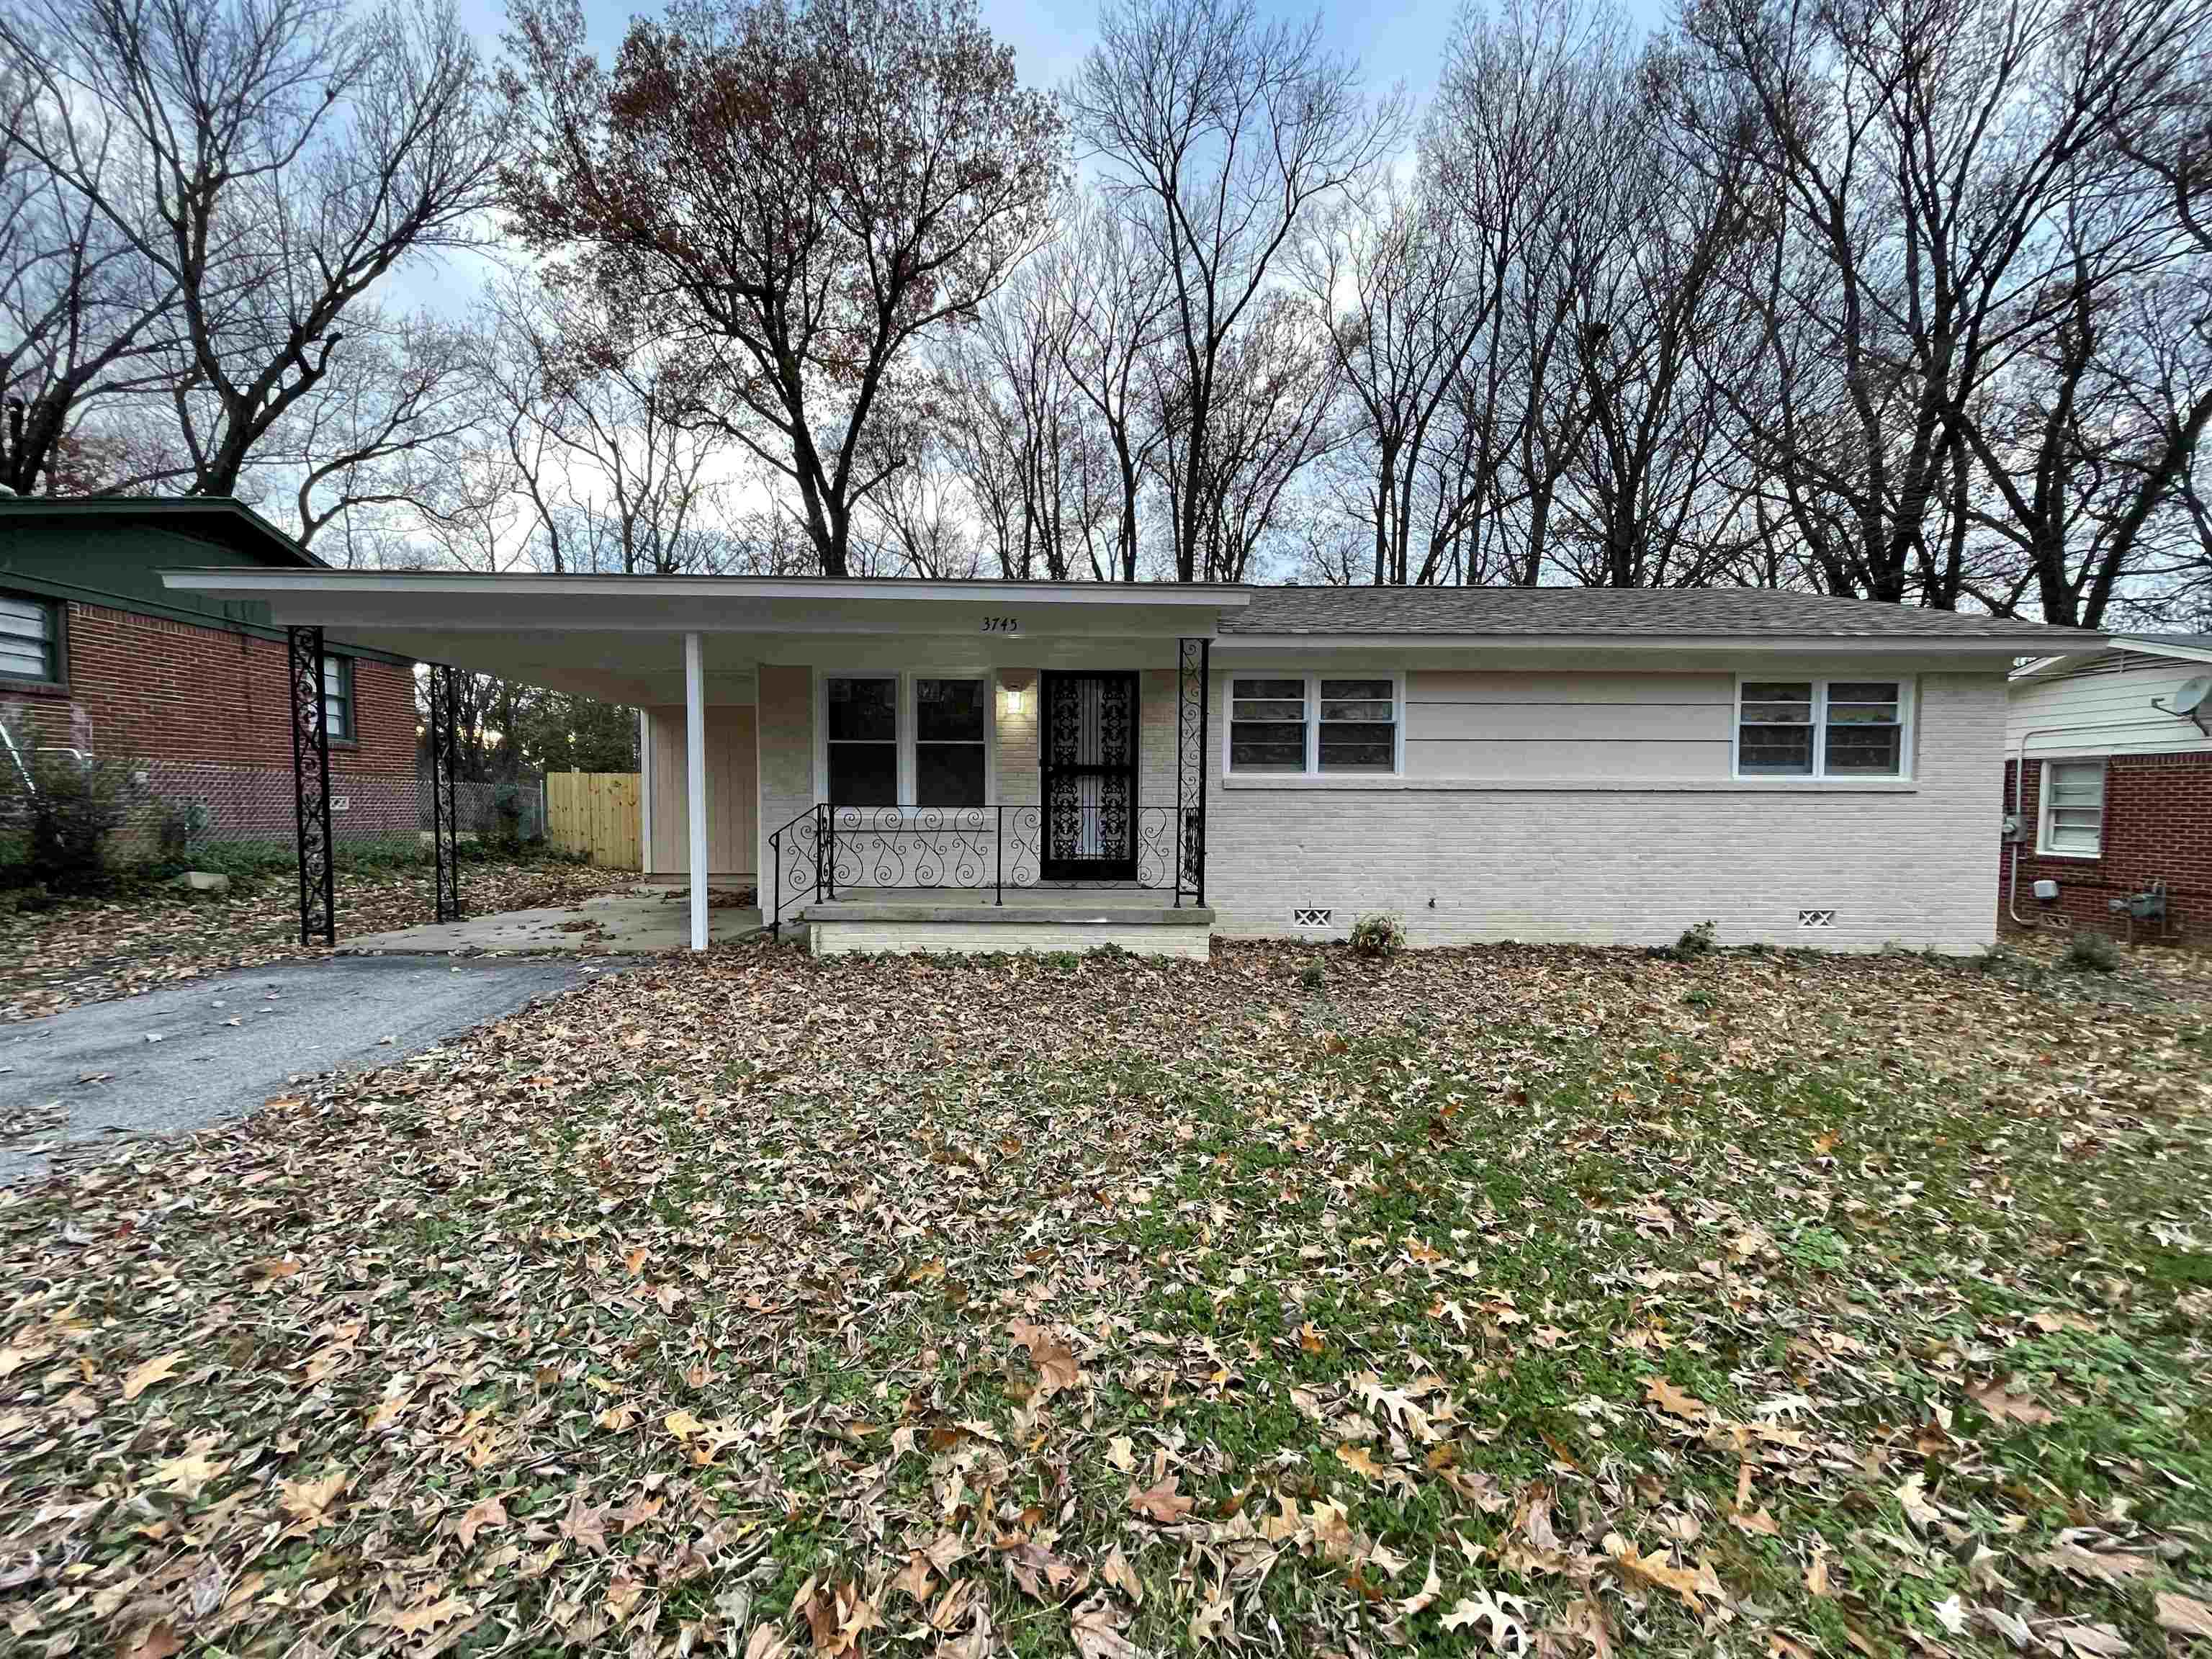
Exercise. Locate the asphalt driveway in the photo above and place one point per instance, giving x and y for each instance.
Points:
(176, 1060)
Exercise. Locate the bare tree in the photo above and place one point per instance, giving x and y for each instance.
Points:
(1406, 296)
(1220, 137)
(1918, 156)
(266, 161)
(80, 319)
(812, 190)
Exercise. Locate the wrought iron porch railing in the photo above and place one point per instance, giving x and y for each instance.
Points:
(985, 849)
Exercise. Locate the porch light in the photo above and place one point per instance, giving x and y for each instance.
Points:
(1013, 694)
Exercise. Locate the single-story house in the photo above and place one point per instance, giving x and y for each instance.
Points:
(905, 764)
(99, 658)
(2108, 788)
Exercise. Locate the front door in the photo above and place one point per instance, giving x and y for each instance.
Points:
(1089, 755)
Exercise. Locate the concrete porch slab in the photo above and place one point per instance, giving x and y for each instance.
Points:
(624, 924)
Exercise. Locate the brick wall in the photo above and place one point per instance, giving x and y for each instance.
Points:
(1636, 866)
(2157, 827)
(208, 711)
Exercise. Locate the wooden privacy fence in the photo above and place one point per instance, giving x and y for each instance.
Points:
(596, 814)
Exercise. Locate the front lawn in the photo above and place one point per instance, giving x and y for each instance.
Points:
(55, 955)
(1509, 1300)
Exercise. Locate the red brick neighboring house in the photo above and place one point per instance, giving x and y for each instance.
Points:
(2118, 791)
(98, 657)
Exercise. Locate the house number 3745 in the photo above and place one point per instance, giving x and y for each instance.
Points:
(1002, 625)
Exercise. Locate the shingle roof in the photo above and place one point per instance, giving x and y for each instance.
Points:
(1576, 612)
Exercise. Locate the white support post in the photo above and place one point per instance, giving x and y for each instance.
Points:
(644, 792)
(694, 755)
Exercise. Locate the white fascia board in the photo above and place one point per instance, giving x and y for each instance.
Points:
(2129, 643)
(812, 589)
(1833, 645)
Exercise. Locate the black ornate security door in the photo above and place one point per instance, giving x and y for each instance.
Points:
(1090, 784)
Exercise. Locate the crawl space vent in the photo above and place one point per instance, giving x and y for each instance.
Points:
(1304, 915)
(1816, 918)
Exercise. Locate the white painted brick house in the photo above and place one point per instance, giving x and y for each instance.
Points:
(912, 765)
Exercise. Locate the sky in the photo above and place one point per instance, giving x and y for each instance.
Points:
(1403, 45)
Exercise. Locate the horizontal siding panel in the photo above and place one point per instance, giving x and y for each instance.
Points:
(1535, 688)
(2112, 710)
(1651, 759)
(1585, 722)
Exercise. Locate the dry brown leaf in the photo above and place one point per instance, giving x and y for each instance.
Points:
(143, 1377)
(2003, 1406)
(1161, 1503)
(2184, 1615)
(1671, 1400)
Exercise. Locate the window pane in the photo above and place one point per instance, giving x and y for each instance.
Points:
(1266, 746)
(1864, 749)
(864, 775)
(1272, 710)
(1347, 709)
(863, 709)
(1295, 689)
(27, 639)
(1356, 748)
(1775, 750)
(948, 773)
(1777, 691)
(1882, 691)
(947, 711)
(1381, 689)
(1778, 714)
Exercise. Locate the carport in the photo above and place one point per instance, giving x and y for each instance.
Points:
(684, 648)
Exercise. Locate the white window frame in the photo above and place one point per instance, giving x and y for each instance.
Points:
(903, 727)
(347, 667)
(1397, 679)
(2046, 801)
(1908, 701)
(55, 641)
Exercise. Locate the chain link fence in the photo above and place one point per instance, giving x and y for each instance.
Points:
(185, 804)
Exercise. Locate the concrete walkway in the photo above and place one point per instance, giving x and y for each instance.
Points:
(617, 923)
(179, 1059)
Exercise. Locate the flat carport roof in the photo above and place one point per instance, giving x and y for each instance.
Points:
(620, 638)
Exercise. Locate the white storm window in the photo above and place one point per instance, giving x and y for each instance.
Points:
(1821, 728)
(2073, 808)
(1312, 725)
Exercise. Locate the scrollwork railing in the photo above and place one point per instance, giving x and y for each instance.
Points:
(990, 849)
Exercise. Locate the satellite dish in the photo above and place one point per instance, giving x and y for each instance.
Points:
(2189, 702)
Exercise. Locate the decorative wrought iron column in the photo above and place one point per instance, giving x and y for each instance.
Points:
(311, 790)
(445, 798)
(1193, 671)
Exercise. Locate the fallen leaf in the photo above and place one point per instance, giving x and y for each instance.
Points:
(1162, 1503)
(485, 1512)
(143, 1377)
(2183, 1614)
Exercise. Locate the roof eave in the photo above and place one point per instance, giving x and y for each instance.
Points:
(2008, 646)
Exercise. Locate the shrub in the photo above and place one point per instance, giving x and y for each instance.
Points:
(1378, 937)
(1310, 976)
(1695, 942)
(67, 807)
(2093, 953)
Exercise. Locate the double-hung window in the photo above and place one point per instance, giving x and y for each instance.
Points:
(2073, 808)
(1821, 728)
(338, 698)
(30, 639)
(863, 730)
(950, 722)
(893, 740)
(1312, 724)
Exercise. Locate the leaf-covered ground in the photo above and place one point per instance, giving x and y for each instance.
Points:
(90, 951)
(1507, 1300)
